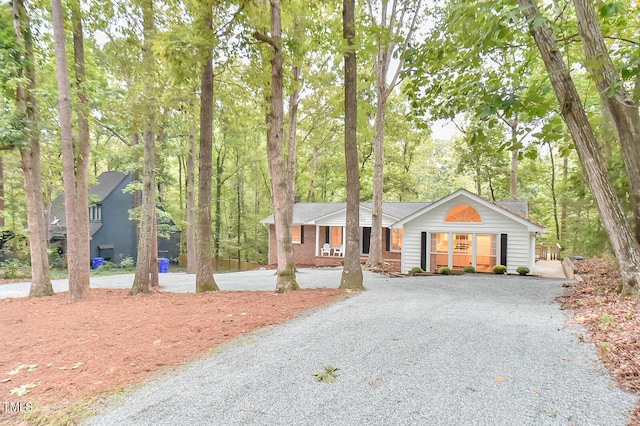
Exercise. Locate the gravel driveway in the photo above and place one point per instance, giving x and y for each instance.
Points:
(454, 350)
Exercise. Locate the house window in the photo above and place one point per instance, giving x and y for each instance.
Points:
(396, 239)
(336, 236)
(296, 234)
(95, 213)
(463, 213)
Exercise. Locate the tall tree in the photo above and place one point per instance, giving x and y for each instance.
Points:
(142, 280)
(83, 144)
(77, 240)
(30, 153)
(204, 274)
(192, 258)
(352, 271)
(282, 201)
(392, 38)
(623, 242)
(616, 101)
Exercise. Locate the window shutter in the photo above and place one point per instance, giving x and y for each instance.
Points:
(423, 251)
(301, 234)
(503, 249)
(327, 235)
(388, 244)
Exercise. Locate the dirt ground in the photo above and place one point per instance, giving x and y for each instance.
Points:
(611, 324)
(67, 355)
(77, 353)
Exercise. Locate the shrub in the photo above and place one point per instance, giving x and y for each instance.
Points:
(523, 270)
(127, 263)
(444, 271)
(499, 269)
(469, 270)
(10, 268)
(415, 270)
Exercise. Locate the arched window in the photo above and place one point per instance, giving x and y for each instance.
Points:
(463, 213)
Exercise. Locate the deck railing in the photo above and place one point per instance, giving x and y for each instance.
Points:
(548, 251)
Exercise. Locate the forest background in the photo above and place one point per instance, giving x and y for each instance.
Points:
(471, 64)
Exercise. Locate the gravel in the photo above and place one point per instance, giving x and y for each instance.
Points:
(441, 350)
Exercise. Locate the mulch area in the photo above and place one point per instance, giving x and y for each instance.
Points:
(611, 324)
(57, 357)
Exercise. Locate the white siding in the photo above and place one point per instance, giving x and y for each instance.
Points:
(493, 222)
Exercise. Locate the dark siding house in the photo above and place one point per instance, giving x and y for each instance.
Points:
(113, 234)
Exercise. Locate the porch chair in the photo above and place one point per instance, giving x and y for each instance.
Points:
(339, 251)
(326, 248)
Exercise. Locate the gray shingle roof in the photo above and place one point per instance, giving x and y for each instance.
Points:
(107, 182)
(308, 212)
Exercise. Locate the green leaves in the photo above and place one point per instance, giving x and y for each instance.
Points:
(329, 374)
(14, 129)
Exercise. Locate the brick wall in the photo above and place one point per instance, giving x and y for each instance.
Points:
(305, 253)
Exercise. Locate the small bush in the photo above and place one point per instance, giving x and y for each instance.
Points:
(499, 269)
(415, 270)
(127, 263)
(469, 270)
(10, 268)
(523, 270)
(444, 271)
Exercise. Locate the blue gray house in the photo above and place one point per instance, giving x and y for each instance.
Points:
(113, 233)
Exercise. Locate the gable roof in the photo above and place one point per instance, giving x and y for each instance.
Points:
(107, 182)
(517, 210)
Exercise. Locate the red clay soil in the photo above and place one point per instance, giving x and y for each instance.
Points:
(611, 324)
(74, 353)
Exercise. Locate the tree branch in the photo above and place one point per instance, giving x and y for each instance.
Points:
(266, 39)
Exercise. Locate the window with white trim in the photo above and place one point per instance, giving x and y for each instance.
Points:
(95, 213)
(396, 239)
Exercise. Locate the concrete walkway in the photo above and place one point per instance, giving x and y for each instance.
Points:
(549, 269)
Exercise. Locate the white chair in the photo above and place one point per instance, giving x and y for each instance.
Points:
(339, 251)
(326, 248)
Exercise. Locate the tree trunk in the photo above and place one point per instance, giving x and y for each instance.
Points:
(77, 242)
(554, 196)
(142, 278)
(375, 247)
(204, 275)
(192, 258)
(83, 146)
(153, 262)
(27, 105)
(623, 242)
(282, 201)
(217, 222)
(615, 99)
(352, 271)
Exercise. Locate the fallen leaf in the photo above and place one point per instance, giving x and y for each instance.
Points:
(328, 375)
(499, 379)
(23, 389)
(535, 391)
(76, 365)
(471, 388)
(28, 367)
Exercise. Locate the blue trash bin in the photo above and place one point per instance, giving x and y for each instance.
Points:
(163, 265)
(96, 262)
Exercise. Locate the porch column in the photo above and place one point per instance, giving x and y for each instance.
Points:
(317, 240)
(344, 234)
